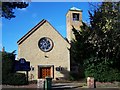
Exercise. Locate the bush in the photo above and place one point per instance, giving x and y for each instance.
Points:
(8, 75)
(7, 63)
(33, 82)
(15, 79)
(74, 76)
(101, 71)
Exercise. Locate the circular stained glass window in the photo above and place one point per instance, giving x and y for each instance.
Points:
(45, 44)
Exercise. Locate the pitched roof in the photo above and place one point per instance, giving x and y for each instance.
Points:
(33, 30)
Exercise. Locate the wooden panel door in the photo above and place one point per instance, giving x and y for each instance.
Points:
(44, 72)
(48, 72)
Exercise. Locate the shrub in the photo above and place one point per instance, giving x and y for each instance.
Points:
(74, 76)
(101, 71)
(8, 75)
(17, 79)
(7, 63)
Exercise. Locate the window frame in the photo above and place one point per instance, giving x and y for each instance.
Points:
(75, 17)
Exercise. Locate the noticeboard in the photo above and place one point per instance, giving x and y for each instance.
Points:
(22, 65)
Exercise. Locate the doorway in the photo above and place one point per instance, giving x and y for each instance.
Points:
(44, 71)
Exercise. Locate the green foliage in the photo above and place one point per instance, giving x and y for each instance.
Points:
(101, 72)
(105, 24)
(7, 8)
(8, 74)
(73, 76)
(79, 47)
(97, 47)
(7, 63)
(16, 79)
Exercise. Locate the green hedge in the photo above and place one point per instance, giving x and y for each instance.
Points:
(102, 72)
(15, 79)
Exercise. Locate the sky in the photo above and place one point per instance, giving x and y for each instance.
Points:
(27, 18)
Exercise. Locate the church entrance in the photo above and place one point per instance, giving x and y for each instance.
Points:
(45, 71)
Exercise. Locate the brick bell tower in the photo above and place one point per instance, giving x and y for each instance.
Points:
(73, 18)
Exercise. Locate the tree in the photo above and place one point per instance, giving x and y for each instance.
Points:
(7, 64)
(101, 47)
(8, 7)
(9, 76)
(105, 24)
(80, 50)
(80, 46)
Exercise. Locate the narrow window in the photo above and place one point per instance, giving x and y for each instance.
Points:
(75, 17)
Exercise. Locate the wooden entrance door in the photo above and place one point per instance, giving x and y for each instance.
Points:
(44, 72)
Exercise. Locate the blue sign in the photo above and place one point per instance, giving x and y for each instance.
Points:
(22, 65)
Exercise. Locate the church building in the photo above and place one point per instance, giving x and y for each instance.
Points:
(46, 50)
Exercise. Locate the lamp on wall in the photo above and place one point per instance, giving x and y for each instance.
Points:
(32, 68)
(45, 55)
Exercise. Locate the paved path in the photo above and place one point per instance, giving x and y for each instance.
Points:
(66, 86)
(56, 86)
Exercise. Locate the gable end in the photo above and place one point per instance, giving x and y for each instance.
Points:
(31, 31)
